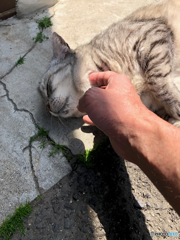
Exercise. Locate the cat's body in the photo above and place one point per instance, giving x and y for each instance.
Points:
(145, 46)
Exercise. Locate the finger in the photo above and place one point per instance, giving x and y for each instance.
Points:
(109, 79)
(87, 120)
(103, 87)
(101, 78)
(81, 105)
(87, 98)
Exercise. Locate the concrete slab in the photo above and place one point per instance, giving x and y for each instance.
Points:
(26, 7)
(25, 170)
(48, 170)
(16, 40)
(16, 178)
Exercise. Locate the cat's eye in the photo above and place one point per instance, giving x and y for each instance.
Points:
(49, 90)
(48, 107)
(65, 112)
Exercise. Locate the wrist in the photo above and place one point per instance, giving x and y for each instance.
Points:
(132, 138)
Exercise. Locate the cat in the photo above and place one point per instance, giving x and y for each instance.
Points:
(145, 46)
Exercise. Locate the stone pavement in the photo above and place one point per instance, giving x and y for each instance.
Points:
(26, 169)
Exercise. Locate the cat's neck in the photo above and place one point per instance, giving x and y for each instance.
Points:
(93, 57)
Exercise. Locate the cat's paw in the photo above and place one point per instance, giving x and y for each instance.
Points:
(174, 110)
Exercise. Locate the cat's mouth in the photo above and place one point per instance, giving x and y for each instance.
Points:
(58, 109)
(60, 113)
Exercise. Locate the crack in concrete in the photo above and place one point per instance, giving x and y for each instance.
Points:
(6, 25)
(14, 104)
(29, 147)
(26, 111)
(7, 91)
(5, 95)
(33, 170)
(11, 69)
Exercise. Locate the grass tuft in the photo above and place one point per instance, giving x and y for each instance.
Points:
(56, 149)
(40, 37)
(20, 61)
(41, 133)
(44, 23)
(86, 158)
(38, 197)
(15, 222)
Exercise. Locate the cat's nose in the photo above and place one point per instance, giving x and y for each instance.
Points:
(48, 107)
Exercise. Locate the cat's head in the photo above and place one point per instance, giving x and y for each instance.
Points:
(58, 88)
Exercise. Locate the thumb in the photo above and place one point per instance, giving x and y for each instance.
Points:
(99, 79)
(87, 120)
(88, 99)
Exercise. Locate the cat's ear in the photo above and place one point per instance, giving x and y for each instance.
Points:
(60, 47)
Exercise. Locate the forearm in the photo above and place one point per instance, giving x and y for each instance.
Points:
(136, 134)
(156, 150)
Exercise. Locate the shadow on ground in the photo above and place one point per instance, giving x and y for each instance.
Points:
(88, 204)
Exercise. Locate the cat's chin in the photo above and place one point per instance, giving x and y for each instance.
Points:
(54, 114)
(76, 114)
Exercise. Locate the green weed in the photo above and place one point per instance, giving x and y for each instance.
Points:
(56, 149)
(41, 133)
(44, 23)
(43, 143)
(86, 158)
(89, 157)
(38, 197)
(40, 37)
(20, 61)
(15, 222)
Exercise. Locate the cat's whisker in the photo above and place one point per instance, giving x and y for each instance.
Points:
(51, 127)
(61, 121)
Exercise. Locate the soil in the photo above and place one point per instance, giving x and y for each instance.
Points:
(113, 200)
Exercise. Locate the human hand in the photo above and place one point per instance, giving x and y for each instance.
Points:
(114, 107)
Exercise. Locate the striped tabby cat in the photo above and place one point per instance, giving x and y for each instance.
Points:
(145, 46)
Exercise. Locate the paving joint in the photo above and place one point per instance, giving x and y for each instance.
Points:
(33, 170)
